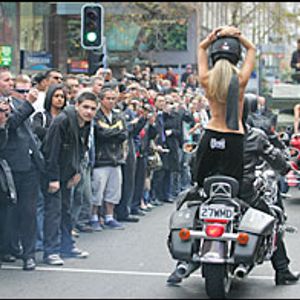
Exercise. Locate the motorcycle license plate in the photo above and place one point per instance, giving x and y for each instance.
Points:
(216, 212)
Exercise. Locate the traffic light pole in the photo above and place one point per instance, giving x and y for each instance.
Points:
(97, 58)
(104, 52)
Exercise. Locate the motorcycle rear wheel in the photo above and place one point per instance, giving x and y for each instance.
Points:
(217, 280)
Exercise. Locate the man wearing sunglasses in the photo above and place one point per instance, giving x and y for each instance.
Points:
(54, 76)
(22, 86)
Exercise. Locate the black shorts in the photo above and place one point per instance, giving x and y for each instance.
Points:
(219, 153)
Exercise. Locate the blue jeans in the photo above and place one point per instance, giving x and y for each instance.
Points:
(175, 184)
(186, 178)
(162, 184)
(140, 175)
(40, 221)
(58, 221)
(86, 208)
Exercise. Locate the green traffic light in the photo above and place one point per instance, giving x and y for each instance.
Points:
(91, 36)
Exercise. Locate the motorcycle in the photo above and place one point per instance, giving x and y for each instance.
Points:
(213, 230)
(293, 177)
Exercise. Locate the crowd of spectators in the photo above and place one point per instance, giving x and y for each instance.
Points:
(104, 150)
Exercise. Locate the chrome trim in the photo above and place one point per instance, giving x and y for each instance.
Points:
(225, 237)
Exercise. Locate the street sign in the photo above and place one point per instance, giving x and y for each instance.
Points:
(6, 53)
(37, 60)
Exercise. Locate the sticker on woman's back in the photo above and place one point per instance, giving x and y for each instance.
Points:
(217, 144)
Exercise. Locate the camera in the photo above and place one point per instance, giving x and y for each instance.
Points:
(4, 99)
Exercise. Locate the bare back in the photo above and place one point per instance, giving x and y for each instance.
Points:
(217, 121)
(218, 110)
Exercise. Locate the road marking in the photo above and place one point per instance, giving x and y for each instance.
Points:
(111, 272)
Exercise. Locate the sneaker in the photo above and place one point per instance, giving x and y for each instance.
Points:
(96, 226)
(156, 202)
(75, 233)
(53, 260)
(113, 224)
(84, 228)
(75, 253)
(145, 209)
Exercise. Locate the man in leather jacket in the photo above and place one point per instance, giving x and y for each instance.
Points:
(256, 147)
(111, 149)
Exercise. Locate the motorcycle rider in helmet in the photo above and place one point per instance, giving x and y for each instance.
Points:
(258, 146)
(224, 85)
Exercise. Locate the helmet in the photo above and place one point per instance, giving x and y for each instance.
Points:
(251, 100)
(226, 47)
(250, 106)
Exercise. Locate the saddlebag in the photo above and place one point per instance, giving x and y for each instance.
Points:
(184, 218)
(257, 222)
(258, 225)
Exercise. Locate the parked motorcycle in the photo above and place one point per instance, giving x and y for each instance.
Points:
(216, 231)
(293, 177)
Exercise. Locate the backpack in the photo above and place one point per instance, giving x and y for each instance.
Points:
(8, 194)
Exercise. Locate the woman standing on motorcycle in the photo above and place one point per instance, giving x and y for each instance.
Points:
(220, 149)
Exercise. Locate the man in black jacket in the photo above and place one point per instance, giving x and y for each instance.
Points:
(4, 108)
(21, 154)
(64, 147)
(110, 135)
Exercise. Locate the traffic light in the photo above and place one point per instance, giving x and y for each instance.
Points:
(95, 59)
(92, 26)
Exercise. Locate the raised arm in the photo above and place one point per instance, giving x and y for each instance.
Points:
(203, 57)
(249, 61)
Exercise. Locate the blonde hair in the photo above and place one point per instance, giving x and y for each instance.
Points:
(219, 80)
(22, 78)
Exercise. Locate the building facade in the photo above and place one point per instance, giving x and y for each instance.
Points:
(47, 34)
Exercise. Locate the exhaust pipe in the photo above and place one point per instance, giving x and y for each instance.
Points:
(184, 269)
(241, 272)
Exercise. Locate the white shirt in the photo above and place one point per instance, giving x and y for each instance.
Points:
(38, 105)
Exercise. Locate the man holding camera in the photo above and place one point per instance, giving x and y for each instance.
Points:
(4, 106)
(21, 154)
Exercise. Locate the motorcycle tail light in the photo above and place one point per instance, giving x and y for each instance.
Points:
(184, 234)
(243, 238)
(215, 230)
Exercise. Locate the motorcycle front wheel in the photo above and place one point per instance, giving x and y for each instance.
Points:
(217, 280)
